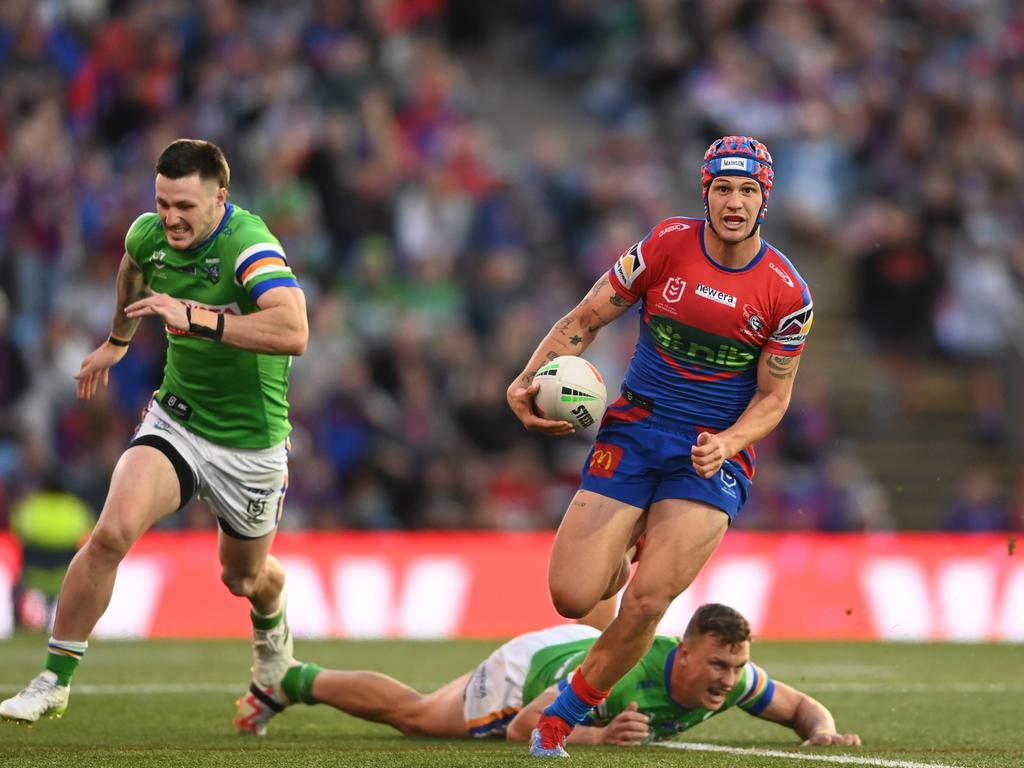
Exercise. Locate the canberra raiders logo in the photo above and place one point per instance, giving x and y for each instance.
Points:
(212, 268)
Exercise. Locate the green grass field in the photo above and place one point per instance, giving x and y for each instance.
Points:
(161, 703)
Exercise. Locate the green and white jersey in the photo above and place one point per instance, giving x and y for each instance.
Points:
(647, 684)
(224, 394)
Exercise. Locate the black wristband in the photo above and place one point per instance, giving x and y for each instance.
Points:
(112, 339)
(201, 330)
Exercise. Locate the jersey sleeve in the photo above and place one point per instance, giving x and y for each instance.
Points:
(137, 232)
(790, 330)
(631, 271)
(758, 689)
(262, 266)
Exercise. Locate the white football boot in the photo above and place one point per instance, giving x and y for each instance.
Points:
(272, 652)
(42, 697)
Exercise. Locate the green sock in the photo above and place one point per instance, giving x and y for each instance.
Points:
(267, 622)
(63, 658)
(297, 682)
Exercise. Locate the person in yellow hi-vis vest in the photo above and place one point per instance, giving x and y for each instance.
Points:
(49, 524)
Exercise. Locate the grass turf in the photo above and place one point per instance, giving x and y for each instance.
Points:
(948, 705)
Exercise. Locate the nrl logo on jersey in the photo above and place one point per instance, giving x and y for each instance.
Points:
(213, 270)
(674, 288)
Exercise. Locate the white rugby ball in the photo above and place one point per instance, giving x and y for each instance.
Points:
(571, 389)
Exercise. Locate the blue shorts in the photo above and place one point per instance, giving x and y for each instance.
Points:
(646, 459)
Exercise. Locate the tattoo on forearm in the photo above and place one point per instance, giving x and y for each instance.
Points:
(131, 286)
(527, 378)
(621, 301)
(781, 367)
(576, 340)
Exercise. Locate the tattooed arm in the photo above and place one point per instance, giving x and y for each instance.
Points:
(569, 336)
(95, 369)
(775, 375)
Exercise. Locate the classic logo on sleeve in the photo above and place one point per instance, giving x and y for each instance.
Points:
(793, 328)
(629, 266)
(781, 273)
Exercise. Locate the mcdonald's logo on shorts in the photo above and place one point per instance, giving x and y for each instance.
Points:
(605, 459)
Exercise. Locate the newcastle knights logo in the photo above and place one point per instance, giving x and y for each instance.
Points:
(674, 289)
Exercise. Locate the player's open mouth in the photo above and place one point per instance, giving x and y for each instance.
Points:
(733, 222)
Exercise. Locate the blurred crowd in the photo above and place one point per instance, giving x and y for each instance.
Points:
(435, 248)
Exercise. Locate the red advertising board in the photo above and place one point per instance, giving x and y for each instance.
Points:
(471, 584)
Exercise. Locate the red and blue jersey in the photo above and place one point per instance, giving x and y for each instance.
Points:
(704, 326)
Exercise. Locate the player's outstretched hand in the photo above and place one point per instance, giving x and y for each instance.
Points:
(830, 739)
(95, 369)
(167, 308)
(520, 400)
(628, 727)
(707, 455)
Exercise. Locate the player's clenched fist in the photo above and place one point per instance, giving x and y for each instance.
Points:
(628, 727)
(708, 455)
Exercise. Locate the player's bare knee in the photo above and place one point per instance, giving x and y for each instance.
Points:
(572, 604)
(410, 720)
(643, 609)
(109, 543)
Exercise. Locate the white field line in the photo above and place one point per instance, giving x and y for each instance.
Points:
(836, 759)
(850, 687)
(242, 685)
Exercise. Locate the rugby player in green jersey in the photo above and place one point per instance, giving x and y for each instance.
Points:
(218, 426)
(677, 685)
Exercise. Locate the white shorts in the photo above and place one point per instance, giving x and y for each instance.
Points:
(245, 488)
(494, 693)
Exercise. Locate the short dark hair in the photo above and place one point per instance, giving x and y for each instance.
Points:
(721, 620)
(183, 157)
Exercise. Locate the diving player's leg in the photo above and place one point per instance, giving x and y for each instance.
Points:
(382, 699)
(145, 487)
(588, 554)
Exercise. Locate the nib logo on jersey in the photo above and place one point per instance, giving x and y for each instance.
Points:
(701, 349)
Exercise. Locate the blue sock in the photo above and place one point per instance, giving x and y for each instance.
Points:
(569, 706)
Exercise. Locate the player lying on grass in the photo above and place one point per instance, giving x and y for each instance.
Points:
(678, 684)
